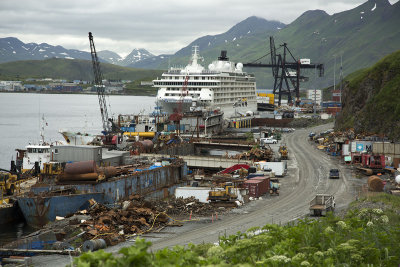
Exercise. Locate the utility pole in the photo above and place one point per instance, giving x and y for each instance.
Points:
(315, 91)
(334, 74)
(341, 79)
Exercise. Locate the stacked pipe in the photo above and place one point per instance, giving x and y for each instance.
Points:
(80, 171)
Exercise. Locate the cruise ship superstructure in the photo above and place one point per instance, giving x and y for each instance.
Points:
(222, 86)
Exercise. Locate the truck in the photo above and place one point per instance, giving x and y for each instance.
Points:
(321, 204)
(284, 152)
(278, 168)
(333, 174)
(274, 187)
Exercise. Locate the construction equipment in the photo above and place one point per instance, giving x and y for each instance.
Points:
(321, 204)
(8, 183)
(109, 126)
(284, 152)
(52, 168)
(177, 116)
(274, 187)
(227, 194)
(284, 71)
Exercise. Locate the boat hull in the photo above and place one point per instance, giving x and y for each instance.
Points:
(38, 211)
(155, 183)
(10, 214)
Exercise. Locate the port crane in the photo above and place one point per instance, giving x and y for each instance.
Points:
(286, 73)
(100, 88)
(110, 129)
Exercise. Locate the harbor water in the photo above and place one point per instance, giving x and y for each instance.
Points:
(21, 115)
(21, 120)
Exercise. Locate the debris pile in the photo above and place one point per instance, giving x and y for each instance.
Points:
(257, 154)
(185, 206)
(134, 217)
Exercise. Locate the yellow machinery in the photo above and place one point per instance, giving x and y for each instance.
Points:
(8, 183)
(284, 152)
(222, 195)
(51, 168)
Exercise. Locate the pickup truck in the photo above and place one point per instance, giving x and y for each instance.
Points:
(321, 204)
(333, 174)
(268, 140)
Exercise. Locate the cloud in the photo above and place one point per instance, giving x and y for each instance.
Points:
(159, 26)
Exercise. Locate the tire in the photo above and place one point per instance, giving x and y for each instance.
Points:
(10, 191)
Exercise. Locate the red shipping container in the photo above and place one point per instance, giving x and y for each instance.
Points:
(255, 187)
(265, 185)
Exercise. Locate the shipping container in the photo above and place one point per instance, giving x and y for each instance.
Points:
(265, 184)
(254, 187)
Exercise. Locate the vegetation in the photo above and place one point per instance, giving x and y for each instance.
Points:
(68, 69)
(136, 88)
(361, 36)
(363, 237)
(371, 100)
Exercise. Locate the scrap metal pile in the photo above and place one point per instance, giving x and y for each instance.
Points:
(257, 154)
(185, 206)
(134, 217)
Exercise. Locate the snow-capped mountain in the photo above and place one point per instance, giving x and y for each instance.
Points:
(110, 57)
(12, 49)
(135, 56)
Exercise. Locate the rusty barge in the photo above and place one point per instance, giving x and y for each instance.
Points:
(62, 197)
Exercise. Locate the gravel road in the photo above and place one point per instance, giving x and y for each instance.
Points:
(308, 170)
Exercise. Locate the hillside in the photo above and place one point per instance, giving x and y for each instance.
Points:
(371, 99)
(361, 36)
(70, 70)
(237, 39)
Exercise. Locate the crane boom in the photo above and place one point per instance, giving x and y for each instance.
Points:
(98, 83)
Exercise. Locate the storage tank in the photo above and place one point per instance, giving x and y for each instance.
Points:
(375, 184)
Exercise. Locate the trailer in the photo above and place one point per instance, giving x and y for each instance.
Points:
(278, 168)
(321, 204)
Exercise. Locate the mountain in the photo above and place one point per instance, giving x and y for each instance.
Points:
(371, 99)
(135, 56)
(12, 49)
(58, 68)
(361, 36)
(110, 57)
(236, 38)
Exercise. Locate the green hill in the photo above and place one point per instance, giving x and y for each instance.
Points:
(361, 36)
(70, 70)
(371, 99)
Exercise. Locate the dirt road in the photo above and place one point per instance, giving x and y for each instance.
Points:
(308, 170)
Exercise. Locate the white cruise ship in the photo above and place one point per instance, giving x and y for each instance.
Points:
(223, 86)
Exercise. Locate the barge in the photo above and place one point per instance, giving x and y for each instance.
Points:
(47, 199)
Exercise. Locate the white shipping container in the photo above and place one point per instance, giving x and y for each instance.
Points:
(279, 168)
(200, 193)
(345, 150)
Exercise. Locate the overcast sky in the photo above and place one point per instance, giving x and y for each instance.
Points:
(160, 26)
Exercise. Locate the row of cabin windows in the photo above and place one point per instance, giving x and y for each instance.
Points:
(194, 78)
(38, 150)
(188, 84)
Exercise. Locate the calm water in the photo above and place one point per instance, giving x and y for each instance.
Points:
(20, 116)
